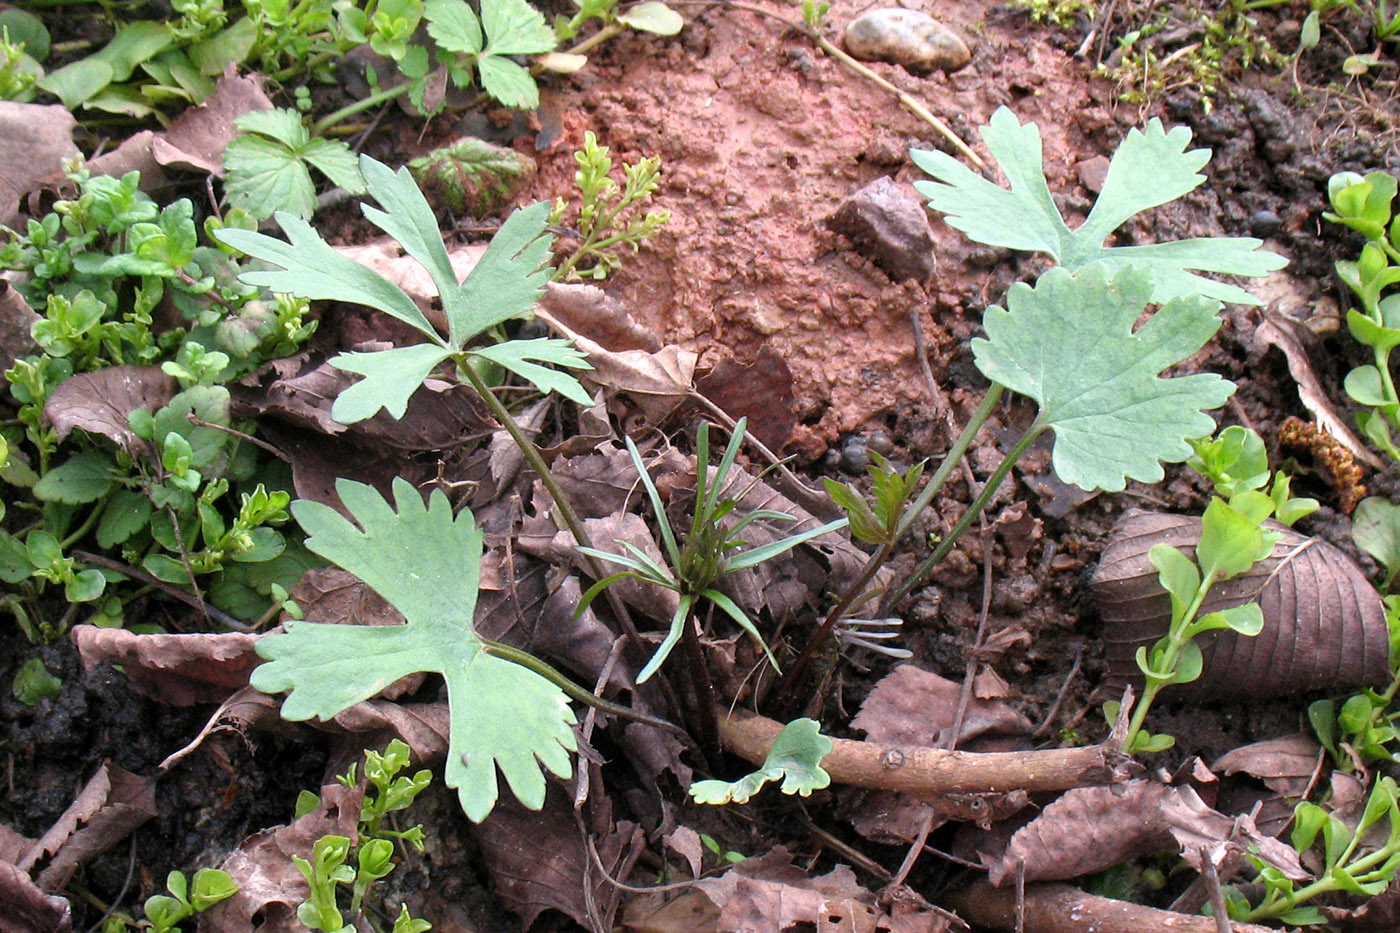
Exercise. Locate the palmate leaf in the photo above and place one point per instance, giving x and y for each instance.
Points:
(1149, 168)
(426, 563)
(1069, 343)
(391, 378)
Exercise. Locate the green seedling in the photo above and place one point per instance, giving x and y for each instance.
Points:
(268, 165)
(794, 759)
(505, 284)
(503, 715)
(1363, 728)
(372, 851)
(1356, 859)
(1149, 168)
(722, 855)
(33, 683)
(711, 551)
(651, 16)
(877, 521)
(1233, 539)
(208, 887)
(608, 215)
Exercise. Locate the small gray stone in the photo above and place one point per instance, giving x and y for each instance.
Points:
(906, 37)
(886, 223)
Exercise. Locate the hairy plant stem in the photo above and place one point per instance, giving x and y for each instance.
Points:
(786, 696)
(989, 489)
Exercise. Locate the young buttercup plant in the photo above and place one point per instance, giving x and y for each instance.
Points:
(505, 284)
(1149, 168)
(795, 759)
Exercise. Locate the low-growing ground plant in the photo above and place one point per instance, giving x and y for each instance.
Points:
(185, 898)
(138, 459)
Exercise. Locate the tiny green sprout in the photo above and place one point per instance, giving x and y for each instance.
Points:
(877, 521)
(187, 897)
(794, 759)
(710, 551)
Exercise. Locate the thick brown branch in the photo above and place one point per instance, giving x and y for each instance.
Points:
(932, 772)
(1059, 908)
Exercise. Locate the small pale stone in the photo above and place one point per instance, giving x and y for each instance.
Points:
(906, 37)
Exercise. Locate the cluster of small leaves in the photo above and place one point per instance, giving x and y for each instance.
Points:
(502, 715)
(186, 897)
(712, 550)
(504, 284)
(269, 165)
(1363, 728)
(96, 268)
(1233, 539)
(24, 43)
(149, 64)
(328, 868)
(651, 16)
(1353, 860)
(607, 217)
(795, 759)
(877, 521)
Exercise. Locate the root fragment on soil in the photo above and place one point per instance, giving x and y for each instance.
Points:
(1059, 908)
(930, 773)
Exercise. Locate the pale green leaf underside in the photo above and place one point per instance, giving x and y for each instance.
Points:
(1069, 343)
(515, 355)
(391, 378)
(264, 176)
(794, 759)
(426, 563)
(1150, 168)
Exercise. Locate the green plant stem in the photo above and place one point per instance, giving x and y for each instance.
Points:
(84, 528)
(785, 700)
(598, 38)
(527, 660)
(1177, 637)
(565, 509)
(373, 100)
(1272, 908)
(989, 489)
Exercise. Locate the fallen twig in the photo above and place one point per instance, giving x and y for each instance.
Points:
(1059, 908)
(931, 772)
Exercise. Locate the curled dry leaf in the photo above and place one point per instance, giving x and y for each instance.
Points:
(100, 402)
(911, 706)
(26, 909)
(17, 321)
(538, 860)
(1286, 765)
(107, 810)
(1324, 624)
(760, 391)
(179, 670)
(1089, 829)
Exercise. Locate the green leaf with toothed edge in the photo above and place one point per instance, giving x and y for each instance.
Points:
(426, 562)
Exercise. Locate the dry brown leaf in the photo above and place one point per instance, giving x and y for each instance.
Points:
(911, 706)
(13, 845)
(34, 141)
(26, 909)
(769, 893)
(588, 310)
(1277, 330)
(760, 391)
(686, 843)
(269, 884)
(1324, 624)
(107, 810)
(539, 861)
(198, 136)
(17, 320)
(1286, 765)
(179, 670)
(100, 402)
(1089, 829)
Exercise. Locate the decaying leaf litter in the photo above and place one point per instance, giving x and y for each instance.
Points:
(745, 270)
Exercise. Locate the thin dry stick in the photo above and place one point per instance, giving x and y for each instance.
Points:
(1217, 895)
(1020, 895)
(940, 400)
(933, 772)
(1044, 728)
(949, 739)
(915, 850)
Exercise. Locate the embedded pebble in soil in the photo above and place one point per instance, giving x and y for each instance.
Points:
(886, 223)
(906, 37)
